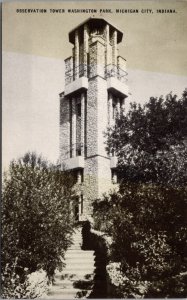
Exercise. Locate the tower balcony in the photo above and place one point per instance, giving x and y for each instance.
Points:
(76, 79)
(74, 163)
(72, 74)
(73, 156)
(116, 80)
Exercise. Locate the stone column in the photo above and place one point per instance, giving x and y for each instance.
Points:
(107, 44)
(86, 36)
(118, 106)
(79, 176)
(80, 208)
(110, 108)
(122, 104)
(100, 60)
(76, 54)
(114, 49)
(74, 117)
(82, 123)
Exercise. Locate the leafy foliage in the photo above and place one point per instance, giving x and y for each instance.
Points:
(148, 228)
(34, 285)
(150, 141)
(36, 219)
(147, 216)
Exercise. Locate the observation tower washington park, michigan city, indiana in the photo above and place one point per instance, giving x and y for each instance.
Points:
(95, 91)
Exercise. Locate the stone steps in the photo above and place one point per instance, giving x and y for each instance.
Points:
(75, 258)
(74, 265)
(76, 279)
(78, 254)
(79, 251)
(79, 267)
(68, 293)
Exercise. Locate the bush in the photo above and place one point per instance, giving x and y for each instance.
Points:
(147, 218)
(34, 285)
(148, 228)
(36, 219)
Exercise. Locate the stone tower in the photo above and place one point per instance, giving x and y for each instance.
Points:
(95, 90)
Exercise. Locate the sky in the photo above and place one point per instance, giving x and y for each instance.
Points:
(35, 46)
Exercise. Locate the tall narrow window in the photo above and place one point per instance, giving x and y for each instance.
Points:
(70, 136)
(85, 126)
(79, 176)
(88, 65)
(78, 109)
(81, 204)
(81, 53)
(113, 110)
(78, 129)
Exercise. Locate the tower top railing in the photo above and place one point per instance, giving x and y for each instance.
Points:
(76, 72)
(110, 70)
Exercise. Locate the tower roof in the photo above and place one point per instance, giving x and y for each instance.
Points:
(92, 22)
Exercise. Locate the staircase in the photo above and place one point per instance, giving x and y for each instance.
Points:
(76, 279)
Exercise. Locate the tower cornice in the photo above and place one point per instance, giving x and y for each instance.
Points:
(91, 22)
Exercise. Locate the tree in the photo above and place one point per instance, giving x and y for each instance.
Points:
(150, 141)
(36, 218)
(148, 227)
(147, 217)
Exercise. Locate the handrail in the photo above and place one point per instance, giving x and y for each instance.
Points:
(81, 70)
(76, 72)
(112, 70)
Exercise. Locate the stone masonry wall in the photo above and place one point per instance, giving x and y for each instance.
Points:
(64, 127)
(68, 69)
(102, 114)
(97, 173)
(101, 59)
(104, 175)
(92, 118)
(97, 58)
(90, 184)
(93, 59)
